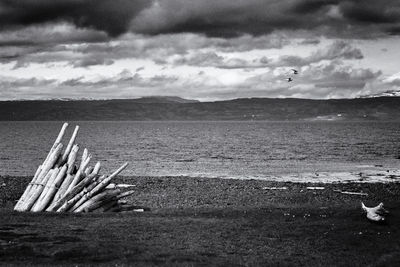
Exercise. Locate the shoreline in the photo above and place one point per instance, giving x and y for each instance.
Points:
(168, 191)
(359, 174)
(324, 177)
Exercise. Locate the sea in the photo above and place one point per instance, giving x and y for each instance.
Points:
(213, 149)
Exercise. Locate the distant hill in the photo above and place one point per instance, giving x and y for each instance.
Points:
(145, 99)
(172, 108)
(163, 99)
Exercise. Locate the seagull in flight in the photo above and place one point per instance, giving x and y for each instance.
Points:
(295, 71)
(289, 79)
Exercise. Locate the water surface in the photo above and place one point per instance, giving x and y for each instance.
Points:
(211, 149)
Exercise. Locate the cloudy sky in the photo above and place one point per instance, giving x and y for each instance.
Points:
(200, 49)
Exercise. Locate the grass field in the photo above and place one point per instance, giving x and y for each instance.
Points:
(209, 222)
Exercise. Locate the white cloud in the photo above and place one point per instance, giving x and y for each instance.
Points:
(190, 65)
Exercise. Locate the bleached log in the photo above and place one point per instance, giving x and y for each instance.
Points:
(36, 190)
(112, 186)
(315, 188)
(73, 203)
(64, 186)
(115, 202)
(69, 199)
(72, 158)
(68, 149)
(107, 180)
(275, 188)
(88, 170)
(96, 168)
(59, 185)
(125, 194)
(40, 187)
(46, 200)
(125, 185)
(31, 188)
(98, 200)
(134, 210)
(49, 163)
(122, 202)
(21, 202)
(57, 141)
(87, 181)
(351, 193)
(37, 171)
(127, 207)
(101, 185)
(67, 181)
(85, 154)
(46, 187)
(56, 170)
(24, 196)
(83, 195)
(78, 176)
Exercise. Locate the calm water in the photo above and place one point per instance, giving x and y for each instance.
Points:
(210, 149)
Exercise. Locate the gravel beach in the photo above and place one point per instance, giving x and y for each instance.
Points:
(210, 222)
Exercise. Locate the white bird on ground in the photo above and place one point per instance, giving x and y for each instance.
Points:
(375, 214)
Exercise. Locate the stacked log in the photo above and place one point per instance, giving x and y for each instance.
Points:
(62, 184)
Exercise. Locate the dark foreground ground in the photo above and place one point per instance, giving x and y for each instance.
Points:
(209, 222)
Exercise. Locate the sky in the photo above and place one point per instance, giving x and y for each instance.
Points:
(199, 49)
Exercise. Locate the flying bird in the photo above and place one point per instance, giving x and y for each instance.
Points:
(295, 71)
(375, 214)
(289, 79)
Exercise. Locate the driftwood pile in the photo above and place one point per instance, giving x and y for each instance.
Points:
(60, 184)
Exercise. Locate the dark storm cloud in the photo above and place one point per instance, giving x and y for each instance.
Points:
(311, 6)
(369, 11)
(39, 43)
(8, 43)
(223, 18)
(350, 18)
(6, 58)
(44, 36)
(112, 17)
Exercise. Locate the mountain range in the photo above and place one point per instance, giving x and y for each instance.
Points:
(175, 108)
